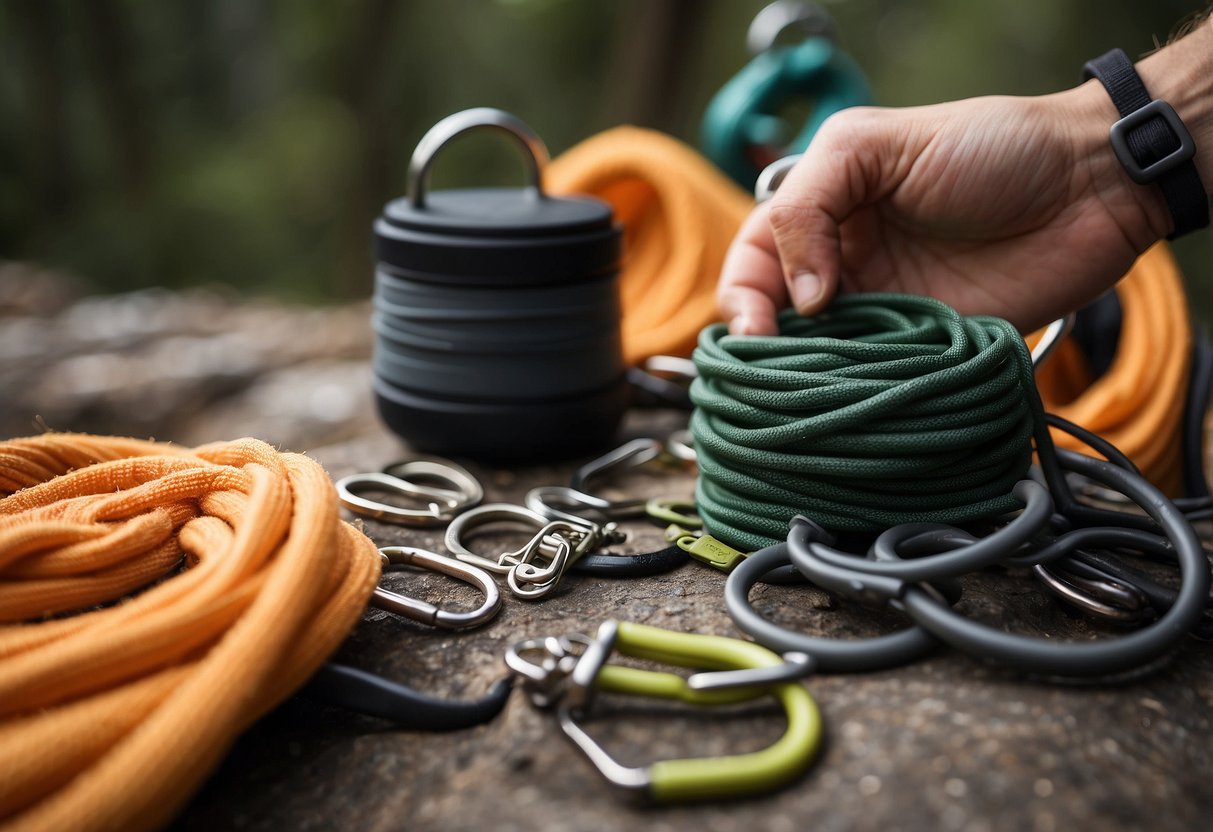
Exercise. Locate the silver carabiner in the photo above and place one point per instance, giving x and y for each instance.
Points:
(442, 504)
(425, 612)
(546, 664)
(1108, 598)
(483, 516)
(560, 502)
(560, 542)
(1052, 336)
(629, 455)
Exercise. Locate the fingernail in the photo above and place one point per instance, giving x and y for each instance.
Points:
(742, 325)
(806, 290)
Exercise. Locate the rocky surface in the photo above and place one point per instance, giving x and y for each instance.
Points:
(947, 743)
(943, 744)
(191, 366)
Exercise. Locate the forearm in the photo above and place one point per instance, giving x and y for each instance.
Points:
(1182, 74)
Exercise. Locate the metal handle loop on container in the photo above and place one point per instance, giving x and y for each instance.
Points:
(425, 612)
(535, 152)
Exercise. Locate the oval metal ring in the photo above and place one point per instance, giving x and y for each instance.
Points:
(440, 507)
(425, 612)
(482, 516)
(560, 502)
(464, 487)
(442, 503)
(629, 455)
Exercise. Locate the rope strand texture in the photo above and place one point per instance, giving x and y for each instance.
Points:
(110, 718)
(886, 409)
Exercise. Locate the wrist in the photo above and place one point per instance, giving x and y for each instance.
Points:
(1141, 212)
(1182, 75)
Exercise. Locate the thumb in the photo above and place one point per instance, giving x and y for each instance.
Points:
(824, 188)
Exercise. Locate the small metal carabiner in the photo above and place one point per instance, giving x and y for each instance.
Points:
(629, 455)
(1100, 595)
(425, 612)
(560, 542)
(560, 502)
(566, 677)
(442, 504)
(1052, 336)
(681, 445)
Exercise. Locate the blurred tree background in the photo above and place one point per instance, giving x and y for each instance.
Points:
(251, 144)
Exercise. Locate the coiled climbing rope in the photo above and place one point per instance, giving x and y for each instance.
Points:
(886, 409)
(111, 717)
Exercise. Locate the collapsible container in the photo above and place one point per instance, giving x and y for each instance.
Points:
(496, 312)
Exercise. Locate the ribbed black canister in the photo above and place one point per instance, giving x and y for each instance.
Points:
(497, 313)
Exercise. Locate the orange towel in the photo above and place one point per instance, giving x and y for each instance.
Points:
(111, 717)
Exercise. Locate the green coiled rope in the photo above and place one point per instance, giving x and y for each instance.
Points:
(885, 409)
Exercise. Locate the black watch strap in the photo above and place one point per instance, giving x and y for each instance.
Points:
(1152, 142)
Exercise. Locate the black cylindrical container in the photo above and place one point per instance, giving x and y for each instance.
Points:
(497, 312)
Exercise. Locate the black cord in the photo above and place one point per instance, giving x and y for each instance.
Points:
(365, 693)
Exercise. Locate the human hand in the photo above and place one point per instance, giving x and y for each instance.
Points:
(1014, 207)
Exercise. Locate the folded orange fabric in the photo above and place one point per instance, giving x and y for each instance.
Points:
(1138, 404)
(112, 716)
(679, 214)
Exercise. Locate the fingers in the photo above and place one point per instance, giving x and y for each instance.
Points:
(819, 193)
(751, 288)
(790, 249)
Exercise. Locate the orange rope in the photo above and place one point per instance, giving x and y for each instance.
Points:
(1138, 404)
(679, 215)
(111, 717)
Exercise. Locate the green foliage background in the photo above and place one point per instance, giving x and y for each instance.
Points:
(252, 143)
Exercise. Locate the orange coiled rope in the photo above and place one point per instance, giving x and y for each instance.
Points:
(679, 215)
(110, 718)
(1138, 404)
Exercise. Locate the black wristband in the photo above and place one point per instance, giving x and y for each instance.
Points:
(1151, 141)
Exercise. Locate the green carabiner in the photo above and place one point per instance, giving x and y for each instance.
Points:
(736, 671)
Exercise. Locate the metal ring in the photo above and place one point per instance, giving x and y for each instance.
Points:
(482, 516)
(1035, 517)
(1053, 335)
(426, 612)
(551, 501)
(1098, 598)
(465, 487)
(442, 504)
(535, 153)
(832, 655)
(772, 177)
(560, 541)
(778, 17)
(1081, 658)
(630, 455)
(681, 444)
